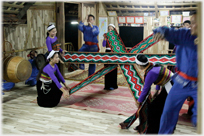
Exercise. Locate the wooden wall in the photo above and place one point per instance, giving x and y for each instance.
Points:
(37, 28)
(32, 34)
(161, 46)
(16, 35)
(114, 20)
(84, 10)
(102, 13)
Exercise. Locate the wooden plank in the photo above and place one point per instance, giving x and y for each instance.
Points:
(60, 23)
(156, 9)
(24, 10)
(148, 3)
(151, 9)
(80, 10)
(183, 8)
(131, 9)
(6, 4)
(10, 11)
(42, 7)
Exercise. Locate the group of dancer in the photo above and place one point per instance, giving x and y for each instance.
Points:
(163, 112)
(172, 88)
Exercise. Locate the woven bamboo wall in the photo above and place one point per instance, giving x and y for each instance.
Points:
(38, 20)
(32, 34)
(161, 46)
(113, 20)
(102, 13)
(17, 36)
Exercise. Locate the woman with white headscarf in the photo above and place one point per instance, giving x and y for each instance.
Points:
(49, 88)
(110, 78)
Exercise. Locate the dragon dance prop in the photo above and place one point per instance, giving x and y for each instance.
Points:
(93, 77)
(135, 84)
(133, 78)
(115, 58)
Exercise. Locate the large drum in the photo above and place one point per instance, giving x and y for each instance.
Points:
(16, 69)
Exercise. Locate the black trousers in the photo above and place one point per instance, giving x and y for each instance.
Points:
(155, 110)
(111, 78)
(49, 96)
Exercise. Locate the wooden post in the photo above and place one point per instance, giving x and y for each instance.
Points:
(200, 73)
(80, 6)
(156, 10)
(97, 18)
(60, 24)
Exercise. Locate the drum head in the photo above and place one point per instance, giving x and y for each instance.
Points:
(40, 61)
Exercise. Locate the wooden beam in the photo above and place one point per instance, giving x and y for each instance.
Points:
(21, 5)
(131, 9)
(9, 15)
(176, 4)
(12, 3)
(10, 19)
(41, 7)
(11, 11)
(60, 25)
(184, 8)
(130, 14)
(6, 4)
(15, 23)
(129, 3)
(80, 10)
(149, 4)
(151, 9)
(71, 15)
(24, 10)
(97, 17)
(156, 9)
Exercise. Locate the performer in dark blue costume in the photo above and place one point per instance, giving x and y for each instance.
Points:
(185, 79)
(31, 81)
(91, 42)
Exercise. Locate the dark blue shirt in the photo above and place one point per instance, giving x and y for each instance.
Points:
(90, 34)
(186, 50)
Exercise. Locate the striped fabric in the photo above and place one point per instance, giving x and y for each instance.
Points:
(45, 76)
(56, 46)
(164, 76)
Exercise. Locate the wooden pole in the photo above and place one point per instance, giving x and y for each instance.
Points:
(60, 24)
(80, 9)
(200, 68)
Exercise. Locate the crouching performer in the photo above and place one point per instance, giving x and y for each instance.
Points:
(49, 88)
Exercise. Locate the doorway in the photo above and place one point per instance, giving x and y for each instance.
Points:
(71, 25)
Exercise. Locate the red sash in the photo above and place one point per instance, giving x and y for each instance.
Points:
(186, 76)
(92, 43)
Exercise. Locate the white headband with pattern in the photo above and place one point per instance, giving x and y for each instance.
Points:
(50, 27)
(111, 25)
(139, 62)
(51, 54)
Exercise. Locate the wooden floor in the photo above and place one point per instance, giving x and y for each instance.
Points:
(20, 116)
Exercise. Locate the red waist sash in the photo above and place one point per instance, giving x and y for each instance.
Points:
(186, 76)
(92, 43)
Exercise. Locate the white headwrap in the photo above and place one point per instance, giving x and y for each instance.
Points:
(139, 62)
(51, 54)
(50, 27)
(111, 25)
